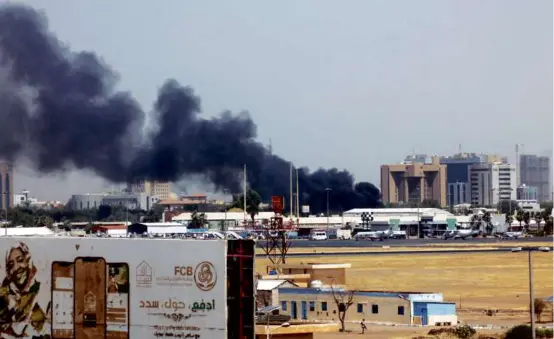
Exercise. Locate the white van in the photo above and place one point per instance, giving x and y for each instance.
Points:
(318, 235)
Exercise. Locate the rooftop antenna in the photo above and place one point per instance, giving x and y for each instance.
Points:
(244, 194)
(290, 204)
(270, 148)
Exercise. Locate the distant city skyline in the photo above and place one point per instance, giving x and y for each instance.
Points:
(340, 86)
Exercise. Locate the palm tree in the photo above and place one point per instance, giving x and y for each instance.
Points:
(519, 217)
(526, 220)
(486, 218)
(538, 219)
(198, 220)
(509, 221)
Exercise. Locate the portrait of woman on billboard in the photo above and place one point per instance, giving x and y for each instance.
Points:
(20, 313)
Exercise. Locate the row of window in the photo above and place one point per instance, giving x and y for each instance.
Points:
(359, 307)
(375, 309)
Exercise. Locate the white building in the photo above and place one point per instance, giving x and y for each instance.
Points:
(491, 183)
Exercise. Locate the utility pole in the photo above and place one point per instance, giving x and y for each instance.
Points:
(297, 196)
(531, 288)
(531, 296)
(327, 190)
(290, 208)
(6, 208)
(244, 194)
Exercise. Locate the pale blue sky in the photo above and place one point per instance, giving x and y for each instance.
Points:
(348, 84)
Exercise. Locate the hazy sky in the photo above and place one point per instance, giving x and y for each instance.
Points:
(334, 84)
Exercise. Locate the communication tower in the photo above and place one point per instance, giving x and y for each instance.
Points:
(276, 234)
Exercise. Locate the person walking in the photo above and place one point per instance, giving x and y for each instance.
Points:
(364, 327)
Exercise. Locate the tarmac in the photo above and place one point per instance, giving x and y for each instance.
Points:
(408, 242)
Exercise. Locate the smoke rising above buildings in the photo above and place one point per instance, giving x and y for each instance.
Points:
(60, 109)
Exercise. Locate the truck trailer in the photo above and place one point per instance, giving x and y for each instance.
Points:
(84, 288)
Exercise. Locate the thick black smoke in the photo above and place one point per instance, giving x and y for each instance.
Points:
(61, 110)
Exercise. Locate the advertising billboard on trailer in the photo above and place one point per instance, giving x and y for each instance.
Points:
(112, 288)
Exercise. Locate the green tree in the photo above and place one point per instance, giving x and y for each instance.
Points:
(487, 219)
(198, 220)
(43, 220)
(155, 214)
(538, 219)
(547, 207)
(505, 206)
(540, 307)
(548, 226)
(526, 219)
(253, 201)
(519, 217)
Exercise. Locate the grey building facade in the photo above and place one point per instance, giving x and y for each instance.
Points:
(535, 171)
(6, 186)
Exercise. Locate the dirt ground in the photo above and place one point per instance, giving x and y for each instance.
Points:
(387, 332)
(428, 247)
(474, 281)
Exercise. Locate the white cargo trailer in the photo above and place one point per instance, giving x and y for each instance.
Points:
(64, 287)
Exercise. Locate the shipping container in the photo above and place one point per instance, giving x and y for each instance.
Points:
(65, 287)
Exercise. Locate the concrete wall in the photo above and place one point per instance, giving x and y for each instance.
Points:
(435, 312)
(328, 276)
(386, 308)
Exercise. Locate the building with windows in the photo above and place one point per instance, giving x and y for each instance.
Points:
(94, 200)
(457, 172)
(491, 183)
(414, 182)
(161, 189)
(408, 308)
(6, 186)
(525, 192)
(535, 171)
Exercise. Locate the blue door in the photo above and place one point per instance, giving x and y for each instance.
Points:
(293, 314)
(424, 319)
(304, 310)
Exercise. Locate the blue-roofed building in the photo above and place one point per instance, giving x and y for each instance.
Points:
(391, 307)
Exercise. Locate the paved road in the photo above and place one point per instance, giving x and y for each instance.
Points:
(409, 242)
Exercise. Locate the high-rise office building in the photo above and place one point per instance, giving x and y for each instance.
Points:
(535, 171)
(160, 189)
(457, 172)
(525, 192)
(6, 185)
(491, 183)
(414, 182)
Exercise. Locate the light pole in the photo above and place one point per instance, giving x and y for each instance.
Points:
(531, 290)
(6, 209)
(327, 190)
(224, 228)
(268, 331)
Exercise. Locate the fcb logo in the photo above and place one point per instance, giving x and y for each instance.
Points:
(205, 276)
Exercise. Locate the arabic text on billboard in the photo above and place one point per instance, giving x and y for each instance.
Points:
(116, 289)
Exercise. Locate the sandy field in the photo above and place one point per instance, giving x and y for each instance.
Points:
(382, 332)
(475, 281)
(430, 247)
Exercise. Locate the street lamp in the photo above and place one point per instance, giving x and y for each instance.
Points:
(6, 209)
(531, 291)
(224, 228)
(327, 190)
(268, 331)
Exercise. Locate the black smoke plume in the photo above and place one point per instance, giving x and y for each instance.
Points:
(60, 109)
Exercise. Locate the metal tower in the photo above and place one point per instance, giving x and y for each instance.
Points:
(276, 244)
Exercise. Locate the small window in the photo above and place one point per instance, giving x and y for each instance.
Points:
(360, 308)
(312, 306)
(324, 306)
(374, 309)
(284, 305)
(400, 310)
